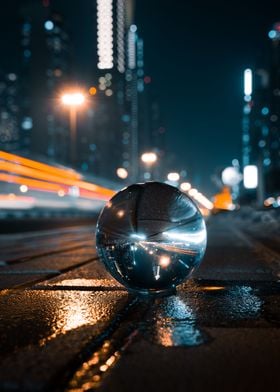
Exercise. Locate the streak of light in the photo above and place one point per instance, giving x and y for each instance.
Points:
(35, 184)
(67, 173)
(178, 247)
(213, 288)
(16, 202)
(37, 174)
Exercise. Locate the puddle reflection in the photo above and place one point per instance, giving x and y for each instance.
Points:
(83, 282)
(243, 303)
(76, 309)
(174, 324)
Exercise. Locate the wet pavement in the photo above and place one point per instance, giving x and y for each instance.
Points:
(66, 325)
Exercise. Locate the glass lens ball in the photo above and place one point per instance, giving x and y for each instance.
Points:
(151, 237)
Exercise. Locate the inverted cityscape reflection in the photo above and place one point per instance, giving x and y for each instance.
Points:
(151, 237)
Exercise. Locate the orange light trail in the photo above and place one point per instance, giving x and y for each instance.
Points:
(35, 184)
(40, 166)
(44, 177)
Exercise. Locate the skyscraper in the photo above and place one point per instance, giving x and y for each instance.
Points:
(9, 110)
(261, 119)
(273, 160)
(44, 70)
(121, 88)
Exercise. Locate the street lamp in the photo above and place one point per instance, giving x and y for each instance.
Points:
(73, 100)
(185, 186)
(173, 177)
(122, 173)
(149, 159)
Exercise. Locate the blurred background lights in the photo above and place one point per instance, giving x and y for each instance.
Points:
(133, 28)
(132, 47)
(49, 25)
(231, 176)
(246, 109)
(272, 34)
(173, 176)
(121, 36)
(247, 98)
(147, 176)
(185, 186)
(109, 93)
(149, 157)
(122, 173)
(75, 99)
(92, 90)
(248, 82)
(23, 188)
(265, 111)
(12, 77)
(193, 192)
(105, 34)
(250, 177)
(267, 161)
(27, 123)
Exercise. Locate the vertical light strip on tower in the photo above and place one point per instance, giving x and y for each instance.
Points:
(132, 47)
(105, 34)
(248, 89)
(140, 64)
(248, 84)
(121, 35)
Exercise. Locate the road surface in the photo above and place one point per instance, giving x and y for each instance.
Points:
(66, 325)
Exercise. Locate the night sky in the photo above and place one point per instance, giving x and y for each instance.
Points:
(195, 52)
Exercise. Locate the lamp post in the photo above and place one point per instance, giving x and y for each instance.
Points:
(149, 159)
(173, 177)
(73, 100)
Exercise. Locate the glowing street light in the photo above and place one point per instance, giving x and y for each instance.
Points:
(122, 173)
(231, 176)
(173, 177)
(193, 192)
(73, 100)
(185, 186)
(149, 157)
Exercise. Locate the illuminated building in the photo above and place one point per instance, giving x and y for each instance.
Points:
(9, 108)
(44, 69)
(261, 120)
(272, 161)
(116, 124)
(126, 121)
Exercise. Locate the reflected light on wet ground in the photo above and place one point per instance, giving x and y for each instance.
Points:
(174, 324)
(232, 302)
(91, 373)
(213, 288)
(75, 309)
(243, 302)
(77, 282)
(173, 321)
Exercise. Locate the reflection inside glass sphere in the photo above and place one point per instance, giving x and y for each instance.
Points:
(151, 237)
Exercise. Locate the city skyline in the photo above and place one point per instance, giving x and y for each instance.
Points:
(199, 54)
